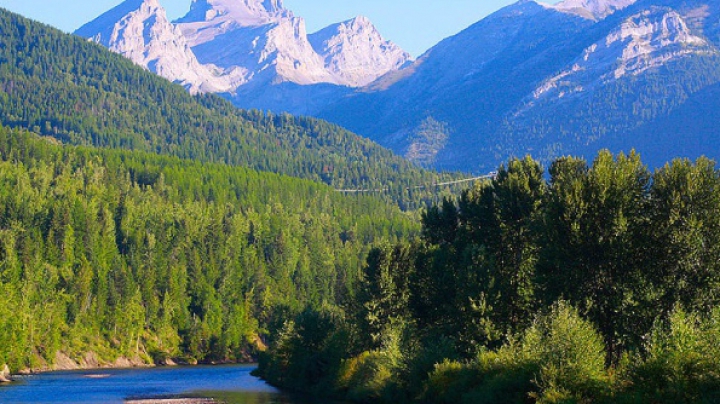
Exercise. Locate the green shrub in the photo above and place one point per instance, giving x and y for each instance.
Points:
(368, 377)
(682, 362)
(450, 380)
(559, 359)
(571, 357)
(421, 360)
(504, 376)
(509, 375)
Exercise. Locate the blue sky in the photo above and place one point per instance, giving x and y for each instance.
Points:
(415, 25)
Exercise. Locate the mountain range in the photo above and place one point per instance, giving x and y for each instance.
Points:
(221, 45)
(532, 78)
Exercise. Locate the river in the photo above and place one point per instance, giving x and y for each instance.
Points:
(231, 384)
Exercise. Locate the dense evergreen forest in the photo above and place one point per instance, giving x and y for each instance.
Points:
(152, 257)
(80, 93)
(599, 283)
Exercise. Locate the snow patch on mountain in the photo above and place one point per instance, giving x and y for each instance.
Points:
(356, 53)
(140, 31)
(210, 19)
(245, 12)
(592, 9)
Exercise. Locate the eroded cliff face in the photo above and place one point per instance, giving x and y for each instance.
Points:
(141, 31)
(221, 45)
(643, 41)
(355, 53)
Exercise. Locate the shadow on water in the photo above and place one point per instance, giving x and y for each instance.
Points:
(241, 397)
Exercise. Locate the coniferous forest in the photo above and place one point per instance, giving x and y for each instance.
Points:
(149, 257)
(596, 284)
(139, 222)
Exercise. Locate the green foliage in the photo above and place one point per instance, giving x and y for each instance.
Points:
(570, 354)
(685, 213)
(481, 251)
(383, 291)
(67, 88)
(560, 358)
(369, 377)
(122, 253)
(308, 352)
(594, 251)
(449, 381)
(617, 246)
(681, 362)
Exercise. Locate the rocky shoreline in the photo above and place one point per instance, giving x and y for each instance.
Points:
(89, 361)
(5, 376)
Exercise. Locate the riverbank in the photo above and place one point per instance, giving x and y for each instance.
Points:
(89, 361)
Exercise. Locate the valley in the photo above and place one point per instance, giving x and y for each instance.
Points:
(528, 212)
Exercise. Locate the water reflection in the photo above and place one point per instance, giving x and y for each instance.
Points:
(244, 397)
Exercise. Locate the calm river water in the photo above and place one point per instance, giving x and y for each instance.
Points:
(232, 384)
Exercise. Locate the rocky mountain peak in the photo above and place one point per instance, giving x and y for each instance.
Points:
(593, 9)
(141, 31)
(245, 13)
(356, 53)
(108, 19)
(220, 45)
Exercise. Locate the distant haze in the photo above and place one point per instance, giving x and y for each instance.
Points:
(415, 25)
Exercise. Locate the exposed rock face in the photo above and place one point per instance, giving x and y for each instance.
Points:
(89, 361)
(5, 376)
(260, 36)
(221, 45)
(140, 31)
(356, 53)
(643, 41)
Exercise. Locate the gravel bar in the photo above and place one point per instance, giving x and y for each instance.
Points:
(175, 401)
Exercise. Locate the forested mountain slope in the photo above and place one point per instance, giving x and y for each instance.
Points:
(132, 254)
(62, 86)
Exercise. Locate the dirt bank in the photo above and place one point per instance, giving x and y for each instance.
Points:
(89, 361)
